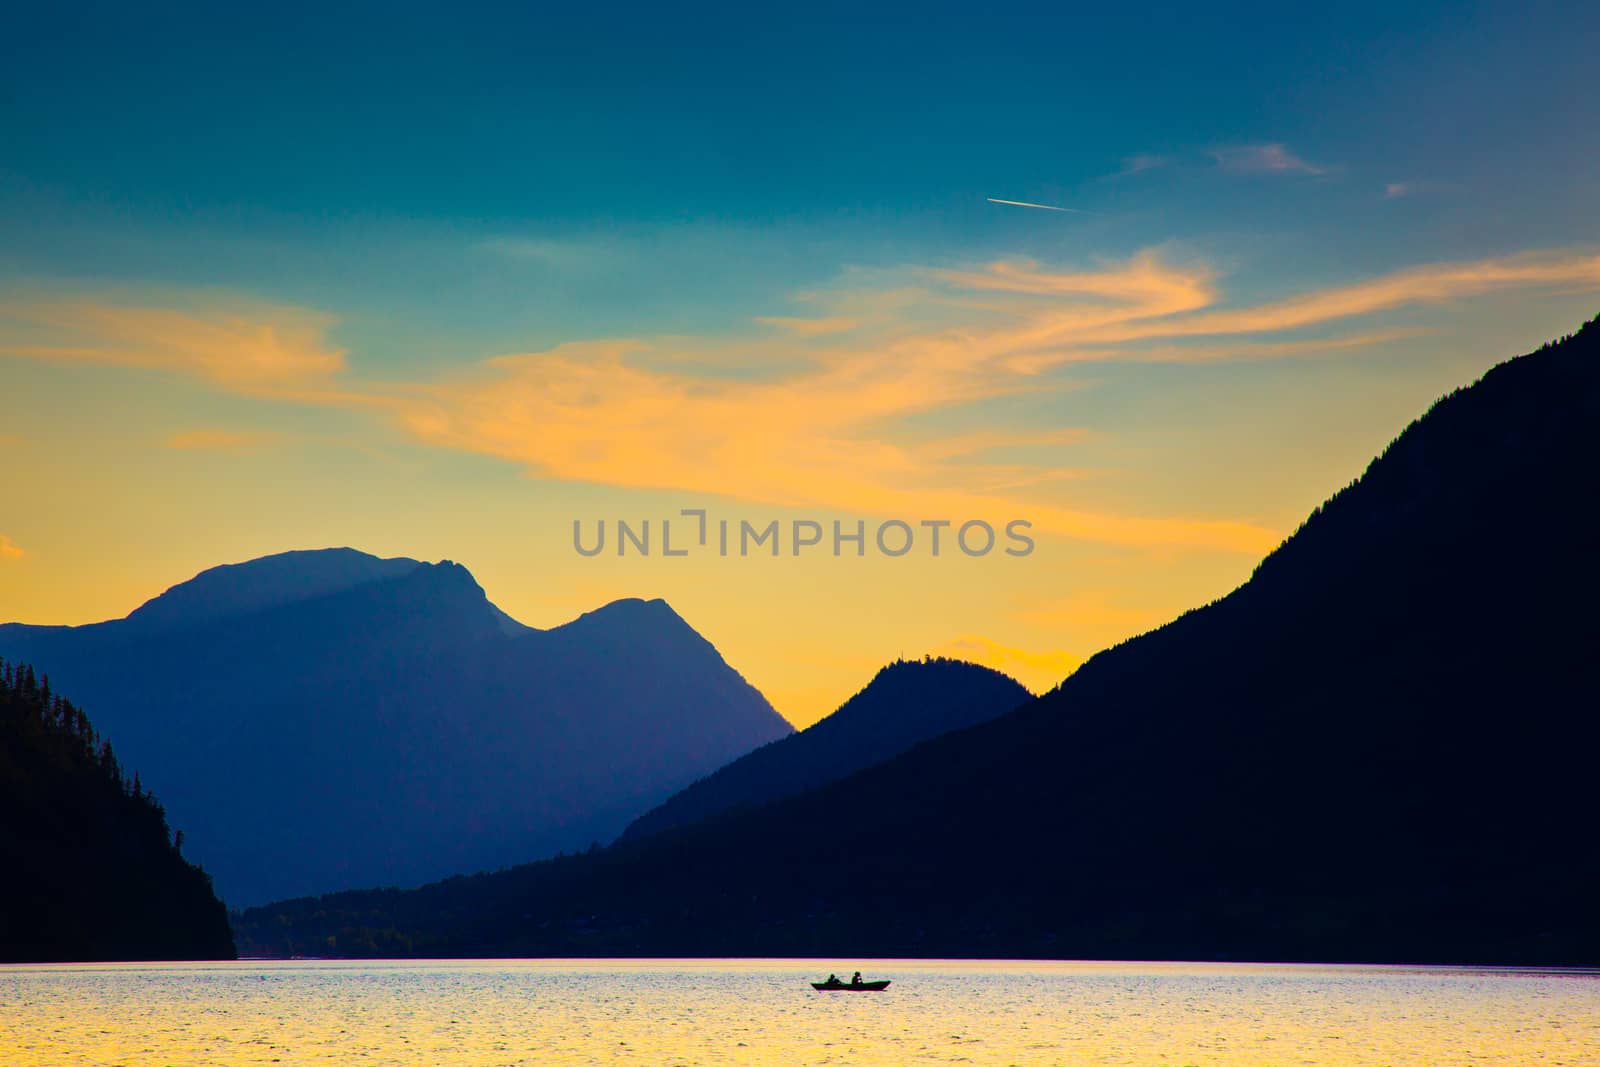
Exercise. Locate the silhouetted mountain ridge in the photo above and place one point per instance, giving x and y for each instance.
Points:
(1378, 748)
(905, 703)
(381, 720)
(271, 581)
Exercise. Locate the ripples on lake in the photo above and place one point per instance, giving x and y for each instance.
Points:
(664, 1012)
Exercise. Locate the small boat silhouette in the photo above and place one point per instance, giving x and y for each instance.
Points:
(833, 985)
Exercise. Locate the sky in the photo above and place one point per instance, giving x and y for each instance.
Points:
(442, 283)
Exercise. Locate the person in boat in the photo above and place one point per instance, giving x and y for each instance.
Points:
(833, 979)
(855, 979)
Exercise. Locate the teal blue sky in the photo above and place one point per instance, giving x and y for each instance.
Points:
(338, 155)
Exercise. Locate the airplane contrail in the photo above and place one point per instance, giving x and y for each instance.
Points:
(1041, 207)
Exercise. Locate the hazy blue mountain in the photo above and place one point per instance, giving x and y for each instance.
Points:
(92, 870)
(326, 719)
(905, 703)
(1380, 747)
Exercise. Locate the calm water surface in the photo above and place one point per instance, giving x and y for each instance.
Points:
(664, 1012)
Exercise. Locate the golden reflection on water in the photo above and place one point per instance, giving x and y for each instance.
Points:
(664, 1012)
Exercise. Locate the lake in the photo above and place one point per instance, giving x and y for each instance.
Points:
(665, 1012)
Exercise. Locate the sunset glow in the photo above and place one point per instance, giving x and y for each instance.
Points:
(484, 331)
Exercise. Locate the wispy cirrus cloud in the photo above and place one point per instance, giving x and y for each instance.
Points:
(809, 327)
(1272, 158)
(1432, 284)
(828, 424)
(9, 549)
(1138, 164)
(1245, 350)
(232, 442)
(824, 435)
(240, 345)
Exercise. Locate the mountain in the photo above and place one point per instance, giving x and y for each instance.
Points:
(240, 588)
(92, 870)
(1380, 747)
(325, 719)
(905, 703)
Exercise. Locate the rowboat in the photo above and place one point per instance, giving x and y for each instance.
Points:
(851, 987)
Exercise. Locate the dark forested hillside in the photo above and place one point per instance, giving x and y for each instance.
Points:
(91, 871)
(906, 702)
(1381, 747)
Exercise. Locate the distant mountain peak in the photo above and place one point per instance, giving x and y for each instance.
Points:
(905, 703)
(907, 668)
(635, 606)
(626, 617)
(424, 731)
(267, 582)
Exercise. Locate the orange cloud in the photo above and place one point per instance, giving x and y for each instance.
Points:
(1128, 337)
(9, 548)
(1241, 351)
(810, 327)
(1150, 286)
(988, 440)
(584, 412)
(253, 348)
(823, 420)
(825, 434)
(215, 440)
(1435, 284)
